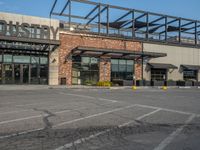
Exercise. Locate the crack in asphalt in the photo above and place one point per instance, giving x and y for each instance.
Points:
(46, 116)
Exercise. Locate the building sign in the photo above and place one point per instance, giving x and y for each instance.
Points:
(26, 30)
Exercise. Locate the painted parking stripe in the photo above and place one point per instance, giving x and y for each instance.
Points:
(90, 97)
(165, 109)
(174, 134)
(79, 141)
(12, 112)
(33, 117)
(92, 116)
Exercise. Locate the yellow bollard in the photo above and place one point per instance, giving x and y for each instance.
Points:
(164, 88)
(134, 88)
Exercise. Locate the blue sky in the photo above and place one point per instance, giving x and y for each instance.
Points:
(180, 8)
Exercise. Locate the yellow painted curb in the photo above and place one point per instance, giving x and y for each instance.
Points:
(134, 88)
(164, 87)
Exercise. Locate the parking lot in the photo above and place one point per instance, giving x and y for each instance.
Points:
(100, 119)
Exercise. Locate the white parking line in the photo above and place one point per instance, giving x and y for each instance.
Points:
(12, 112)
(30, 117)
(79, 141)
(89, 97)
(174, 134)
(165, 109)
(31, 104)
(92, 116)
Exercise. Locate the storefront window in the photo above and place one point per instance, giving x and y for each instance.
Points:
(85, 70)
(158, 74)
(122, 69)
(1, 57)
(21, 59)
(190, 75)
(43, 60)
(35, 60)
(0, 73)
(43, 74)
(23, 69)
(7, 58)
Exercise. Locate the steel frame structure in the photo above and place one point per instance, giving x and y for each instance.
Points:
(154, 27)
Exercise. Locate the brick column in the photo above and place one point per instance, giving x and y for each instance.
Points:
(105, 69)
(138, 71)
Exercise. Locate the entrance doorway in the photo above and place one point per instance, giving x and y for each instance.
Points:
(21, 73)
(23, 69)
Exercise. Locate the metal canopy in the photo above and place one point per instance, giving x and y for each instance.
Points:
(191, 67)
(114, 53)
(104, 19)
(27, 44)
(162, 66)
(116, 25)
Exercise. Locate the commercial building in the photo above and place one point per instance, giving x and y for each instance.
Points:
(104, 43)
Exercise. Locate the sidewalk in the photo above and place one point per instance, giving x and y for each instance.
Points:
(42, 87)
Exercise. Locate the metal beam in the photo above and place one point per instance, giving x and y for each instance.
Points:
(72, 16)
(166, 23)
(157, 20)
(54, 4)
(187, 24)
(123, 16)
(141, 16)
(96, 15)
(108, 19)
(86, 17)
(67, 3)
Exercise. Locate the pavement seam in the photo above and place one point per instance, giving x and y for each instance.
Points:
(82, 140)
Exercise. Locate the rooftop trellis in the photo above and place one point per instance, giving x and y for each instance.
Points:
(114, 21)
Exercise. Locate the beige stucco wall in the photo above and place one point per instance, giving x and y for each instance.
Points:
(176, 55)
(53, 67)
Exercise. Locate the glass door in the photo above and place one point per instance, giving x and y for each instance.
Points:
(17, 74)
(8, 73)
(0, 74)
(25, 73)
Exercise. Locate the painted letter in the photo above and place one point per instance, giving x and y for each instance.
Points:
(54, 32)
(26, 32)
(4, 27)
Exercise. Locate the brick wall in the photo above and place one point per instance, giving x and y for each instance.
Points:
(70, 41)
(104, 69)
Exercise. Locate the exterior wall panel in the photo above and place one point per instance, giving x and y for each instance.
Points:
(176, 56)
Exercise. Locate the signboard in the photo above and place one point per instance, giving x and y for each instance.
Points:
(26, 30)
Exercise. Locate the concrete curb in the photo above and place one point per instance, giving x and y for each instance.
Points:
(39, 87)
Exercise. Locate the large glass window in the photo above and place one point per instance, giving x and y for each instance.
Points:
(122, 69)
(1, 57)
(8, 71)
(43, 74)
(23, 69)
(0, 73)
(190, 74)
(35, 60)
(7, 58)
(21, 59)
(34, 74)
(85, 70)
(158, 74)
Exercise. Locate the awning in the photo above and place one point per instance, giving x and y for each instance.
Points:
(114, 53)
(9, 43)
(191, 67)
(162, 66)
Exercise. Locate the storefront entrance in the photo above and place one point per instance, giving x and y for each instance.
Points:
(23, 69)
